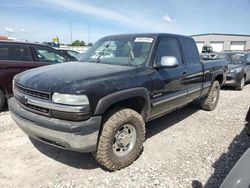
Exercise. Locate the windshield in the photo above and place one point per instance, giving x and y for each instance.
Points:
(231, 58)
(130, 51)
(237, 58)
(72, 53)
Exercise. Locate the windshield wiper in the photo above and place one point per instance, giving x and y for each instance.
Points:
(102, 52)
(131, 56)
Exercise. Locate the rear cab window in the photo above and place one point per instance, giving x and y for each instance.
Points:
(15, 52)
(190, 51)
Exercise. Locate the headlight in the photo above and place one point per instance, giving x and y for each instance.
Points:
(75, 100)
(236, 70)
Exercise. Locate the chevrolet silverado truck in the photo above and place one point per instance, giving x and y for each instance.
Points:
(101, 104)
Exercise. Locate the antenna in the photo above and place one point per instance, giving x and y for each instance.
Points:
(70, 28)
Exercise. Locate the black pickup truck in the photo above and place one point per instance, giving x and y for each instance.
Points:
(101, 104)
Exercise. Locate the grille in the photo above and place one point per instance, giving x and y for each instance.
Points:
(37, 108)
(36, 94)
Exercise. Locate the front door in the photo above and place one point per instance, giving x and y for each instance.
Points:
(169, 90)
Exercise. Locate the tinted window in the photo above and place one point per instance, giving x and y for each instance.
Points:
(237, 58)
(248, 58)
(72, 53)
(191, 51)
(14, 52)
(168, 47)
(48, 55)
(223, 56)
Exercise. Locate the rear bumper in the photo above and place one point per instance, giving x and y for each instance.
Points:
(76, 136)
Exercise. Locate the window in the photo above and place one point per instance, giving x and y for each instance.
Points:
(127, 51)
(248, 58)
(237, 58)
(73, 53)
(168, 47)
(14, 52)
(190, 51)
(47, 55)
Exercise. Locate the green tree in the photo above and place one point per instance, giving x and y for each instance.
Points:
(82, 43)
(90, 44)
(76, 43)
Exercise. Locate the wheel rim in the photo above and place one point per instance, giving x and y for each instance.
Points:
(214, 95)
(124, 140)
(242, 83)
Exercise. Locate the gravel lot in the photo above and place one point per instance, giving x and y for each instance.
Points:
(186, 148)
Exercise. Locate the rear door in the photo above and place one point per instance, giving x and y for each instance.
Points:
(14, 58)
(194, 79)
(170, 90)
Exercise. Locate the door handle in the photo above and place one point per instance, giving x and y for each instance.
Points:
(184, 75)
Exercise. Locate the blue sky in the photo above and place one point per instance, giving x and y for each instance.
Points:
(41, 20)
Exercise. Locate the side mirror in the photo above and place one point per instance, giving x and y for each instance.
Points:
(169, 61)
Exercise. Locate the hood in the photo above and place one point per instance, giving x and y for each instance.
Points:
(67, 77)
(235, 66)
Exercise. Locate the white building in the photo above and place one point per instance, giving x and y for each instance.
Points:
(221, 42)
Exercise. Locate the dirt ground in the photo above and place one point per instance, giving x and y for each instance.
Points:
(189, 147)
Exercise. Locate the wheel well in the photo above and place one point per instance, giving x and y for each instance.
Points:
(2, 89)
(219, 78)
(136, 103)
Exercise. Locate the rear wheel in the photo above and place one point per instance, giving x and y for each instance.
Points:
(241, 84)
(2, 100)
(121, 140)
(211, 100)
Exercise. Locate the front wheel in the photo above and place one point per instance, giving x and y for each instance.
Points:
(241, 84)
(211, 100)
(121, 140)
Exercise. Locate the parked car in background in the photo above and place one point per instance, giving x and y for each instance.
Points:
(239, 177)
(101, 103)
(208, 56)
(16, 57)
(71, 53)
(79, 56)
(207, 49)
(238, 67)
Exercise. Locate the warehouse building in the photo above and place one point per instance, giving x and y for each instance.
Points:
(221, 42)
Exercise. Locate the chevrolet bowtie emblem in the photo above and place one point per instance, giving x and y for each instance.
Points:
(24, 99)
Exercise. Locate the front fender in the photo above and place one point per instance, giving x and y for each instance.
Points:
(105, 102)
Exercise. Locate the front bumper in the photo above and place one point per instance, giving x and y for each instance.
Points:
(77, 136)
(233, 79)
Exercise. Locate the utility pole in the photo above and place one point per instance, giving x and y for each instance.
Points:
(70, 27)
(89, 34)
